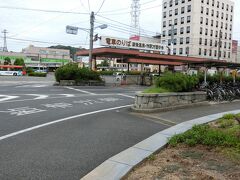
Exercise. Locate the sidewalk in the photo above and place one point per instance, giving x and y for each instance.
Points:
(179, 121)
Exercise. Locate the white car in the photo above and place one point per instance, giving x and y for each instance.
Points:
(119, 76)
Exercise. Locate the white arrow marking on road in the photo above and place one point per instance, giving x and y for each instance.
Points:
(6, 97)
(39, 96)
(68, 95)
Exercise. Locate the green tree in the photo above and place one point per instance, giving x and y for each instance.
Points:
(7, 61)
(104, 63)
(19, 62)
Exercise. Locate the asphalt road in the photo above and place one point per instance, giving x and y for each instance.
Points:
(50, 132)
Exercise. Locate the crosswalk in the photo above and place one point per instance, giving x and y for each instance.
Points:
(6, 98)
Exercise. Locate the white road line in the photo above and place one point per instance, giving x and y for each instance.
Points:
(67, 95)
(80, 90)
(126, 96)
(6, 97)
(60, 120)
(39, 96)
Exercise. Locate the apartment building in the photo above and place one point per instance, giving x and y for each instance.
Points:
(198, 28)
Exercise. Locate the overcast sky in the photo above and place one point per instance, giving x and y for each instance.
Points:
(50, 27)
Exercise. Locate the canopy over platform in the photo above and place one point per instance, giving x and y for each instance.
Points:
(140, 57)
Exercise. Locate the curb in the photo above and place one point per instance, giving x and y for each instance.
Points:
(119, 165)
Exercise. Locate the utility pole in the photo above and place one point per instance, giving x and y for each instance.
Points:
(92, 17)
(219, 43)
(5, 40)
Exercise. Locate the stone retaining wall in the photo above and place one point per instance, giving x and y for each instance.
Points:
(163, 101)
(83, 83)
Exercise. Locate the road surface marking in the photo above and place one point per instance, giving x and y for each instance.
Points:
(59, 120)
(39, 96)
(33, 85)
(79, 90)
(6, 97)
(126, 96)
(67, 95)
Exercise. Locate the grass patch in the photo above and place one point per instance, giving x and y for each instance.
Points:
(156, 90)
(223, 135)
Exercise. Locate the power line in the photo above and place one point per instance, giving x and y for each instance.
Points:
(100, 7)
(41, 10)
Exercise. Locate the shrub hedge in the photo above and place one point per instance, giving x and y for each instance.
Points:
(37, 74)
(73, 72)
(177, 82)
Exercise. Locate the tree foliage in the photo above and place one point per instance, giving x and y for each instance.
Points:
(19, 62)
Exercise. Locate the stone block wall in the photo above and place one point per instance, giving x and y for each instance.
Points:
(166, 100)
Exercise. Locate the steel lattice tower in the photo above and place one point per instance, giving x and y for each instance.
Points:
(5, 40)
(135, 15)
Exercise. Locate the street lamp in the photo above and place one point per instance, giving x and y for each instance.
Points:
(74, 30)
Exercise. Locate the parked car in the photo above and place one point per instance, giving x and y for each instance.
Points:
(119, 76)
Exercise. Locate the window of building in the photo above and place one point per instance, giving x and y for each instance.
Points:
(213, 3)
(201, 30)
(164, 23)
(229, 55)
(210, 42)
(212, 23)
(164, 14)
(216, 35)
(201, 20)
(202, 10)
(181, 40)
(176, 2)
(181, 30)
(170, 3)
(175, 31)
(230, 27)
(200, 41)
(225, 45)
(221, 25)
(200, 51)
(218, 3)
(222, 16)
(227, 17)
(216, 23)
(182, 20)
(227, 8)
(217, 14)
(226, 26)
(181, 51)
(189, 8)
(205, 52)
(164, 33)
(183, 1)
(225, 35)
(187, 50)
(205, 42)
(182, 10)
(176, 11)
(216, 43)
(188, 19)
(170, 23)
(165, 5)
(175, 21)
(215, 53)
(210, 52)
(222, 5)
(231, 8)
(231, 18)
(211, 33)
(207, 11)
(224, 54)
(230, 36)
(202, 1)
(169, 32)
(174, 51)
(174, 41)
(169, 42)
(187, 40)
(188, 29)
(170, 13)
(212, 13)
(206, 21)
(206, 31)
(207, 2)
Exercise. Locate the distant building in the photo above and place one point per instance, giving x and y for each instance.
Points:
(234, 51)
(194, 27)
(52, 58)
